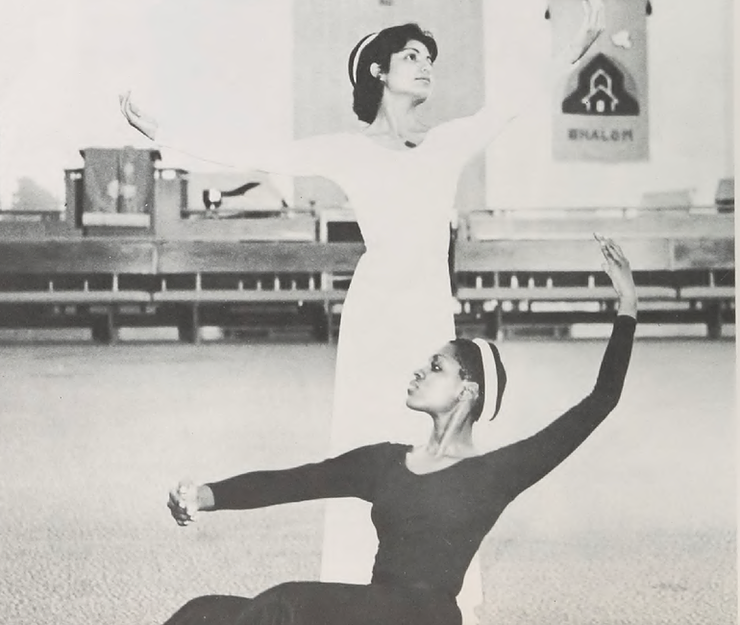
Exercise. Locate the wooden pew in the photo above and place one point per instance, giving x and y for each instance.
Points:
(716, 295)
(174, 278)
(298, 274)
(194, 279)
(27, 265)
(675, 277)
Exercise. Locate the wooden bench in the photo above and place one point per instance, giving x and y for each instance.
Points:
(504, 280)
(316, 263)
(561, 294)
(82, 298)
(294, 275)
(58, 260)
(707, 293)
(718, 301)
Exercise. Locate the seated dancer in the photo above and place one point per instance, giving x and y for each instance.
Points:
(432, 505)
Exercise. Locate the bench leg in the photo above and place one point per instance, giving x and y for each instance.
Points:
(316, 315)
(329, 322)
(188, 329)
(104, 329)
(714, 320)
(493, 324)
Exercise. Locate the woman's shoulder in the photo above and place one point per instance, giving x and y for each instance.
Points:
(369, 459)
(390, 453)
(419, 132)
(385, 448)
(450, 126)
(390, 448)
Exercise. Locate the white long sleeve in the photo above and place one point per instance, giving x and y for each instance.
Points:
(312, 156)
(466, 136)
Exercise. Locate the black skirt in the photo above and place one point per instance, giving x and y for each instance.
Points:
(318, 603)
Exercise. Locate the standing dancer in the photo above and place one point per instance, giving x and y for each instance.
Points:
(400, 177)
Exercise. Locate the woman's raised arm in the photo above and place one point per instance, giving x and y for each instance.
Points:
(473, 133)
(531, 459)
(312, 156)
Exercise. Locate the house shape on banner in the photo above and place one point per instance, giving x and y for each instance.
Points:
(601, 91)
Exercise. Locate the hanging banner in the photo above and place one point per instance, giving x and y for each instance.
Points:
(119, 180)
(600, 113)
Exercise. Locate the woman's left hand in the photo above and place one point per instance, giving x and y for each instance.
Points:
(139, 119)
(618, 268)
(594, 23)
(183, 502)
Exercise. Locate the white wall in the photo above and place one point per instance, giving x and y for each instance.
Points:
(690, 71)
(62, 65)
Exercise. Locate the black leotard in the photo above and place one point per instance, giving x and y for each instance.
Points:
(429, 526)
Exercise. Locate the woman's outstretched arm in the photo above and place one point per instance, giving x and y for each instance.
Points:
(531, 459)
(312, 156)
(349, 475)
(469, 135)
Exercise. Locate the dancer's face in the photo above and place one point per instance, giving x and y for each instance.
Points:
(411, 71)
(437, 386)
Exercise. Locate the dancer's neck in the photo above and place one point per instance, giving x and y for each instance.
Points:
(398, 122)
(452, 436)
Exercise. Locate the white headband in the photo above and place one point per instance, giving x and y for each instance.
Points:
(361, 47)
(490, 378)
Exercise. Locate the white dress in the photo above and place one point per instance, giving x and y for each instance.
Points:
(398, 311)
(399, 307)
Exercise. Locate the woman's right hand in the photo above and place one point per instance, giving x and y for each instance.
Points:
(184, 502)
(593, 24)
(144, 123)
(618, 268)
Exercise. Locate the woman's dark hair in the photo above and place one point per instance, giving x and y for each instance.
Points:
(471, 368)
(368, 90)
